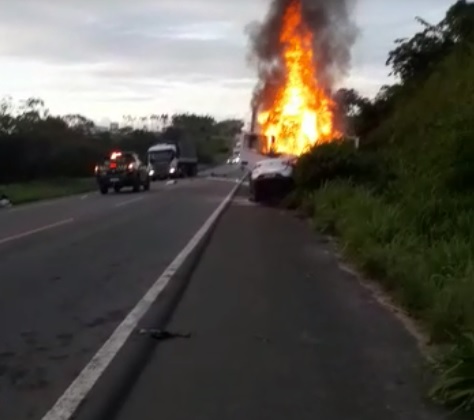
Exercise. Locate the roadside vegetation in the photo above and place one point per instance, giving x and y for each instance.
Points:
(26, 192)
(45, 156)
(402, 206)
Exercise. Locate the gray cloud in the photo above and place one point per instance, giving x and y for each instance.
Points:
(145, 40)
(146, 48)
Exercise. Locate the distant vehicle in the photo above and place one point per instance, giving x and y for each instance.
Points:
(172, 160)
(4, 201)
(271, 178)
(233, 160)
(122, 169)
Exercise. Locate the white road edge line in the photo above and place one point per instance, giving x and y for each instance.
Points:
(124, 203)
(68, 403)
(33, 231)
(221, 179)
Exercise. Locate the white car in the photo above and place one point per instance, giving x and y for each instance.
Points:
(233, 160)
(272, 177)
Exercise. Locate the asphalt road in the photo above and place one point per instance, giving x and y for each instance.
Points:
(70, 271)
(279, 331)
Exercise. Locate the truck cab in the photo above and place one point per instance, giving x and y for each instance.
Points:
(162, 161)
(172, 160)
(253, 148)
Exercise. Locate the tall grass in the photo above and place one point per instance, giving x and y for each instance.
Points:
(434, 279)
(430, 273)
(406, 213)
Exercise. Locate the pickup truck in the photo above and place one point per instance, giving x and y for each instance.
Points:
(122, 169)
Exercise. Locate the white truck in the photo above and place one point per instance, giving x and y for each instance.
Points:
(172, 160)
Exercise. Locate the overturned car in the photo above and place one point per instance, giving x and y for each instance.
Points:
(272, 178)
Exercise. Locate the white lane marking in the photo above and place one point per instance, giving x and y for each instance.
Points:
(67, 404)
(33, 231)
(124, 203)
(221, 179)
(84, 196)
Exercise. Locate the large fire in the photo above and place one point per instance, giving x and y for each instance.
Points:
(301, 114)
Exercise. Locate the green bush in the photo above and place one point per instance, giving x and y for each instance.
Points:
(339, 160)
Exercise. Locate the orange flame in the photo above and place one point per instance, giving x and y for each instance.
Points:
(301, 114)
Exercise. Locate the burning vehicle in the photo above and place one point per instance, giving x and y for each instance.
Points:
(298, 50)
(270, 173)
(271, 178)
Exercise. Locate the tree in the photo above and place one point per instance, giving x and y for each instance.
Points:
(7, 121)
(414, 58)
(458, 23)
(349, 102)
(154, 122)
(35, 144)
(229, 127)
(79, 123)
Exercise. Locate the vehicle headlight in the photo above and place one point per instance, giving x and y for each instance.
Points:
(151, 173)
(172, 170)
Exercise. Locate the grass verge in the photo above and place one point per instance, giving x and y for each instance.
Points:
(431, 275)
(26, 192)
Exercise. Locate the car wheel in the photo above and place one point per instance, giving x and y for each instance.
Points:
(104, 189)
(255, 193)
(146, 186)
(136, 185)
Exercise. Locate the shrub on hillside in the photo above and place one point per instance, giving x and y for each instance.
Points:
(417, 235)
(340, 160)
(461, 175)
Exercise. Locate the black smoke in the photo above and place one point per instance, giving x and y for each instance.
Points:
(334, 34)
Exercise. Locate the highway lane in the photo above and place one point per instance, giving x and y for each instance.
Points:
(64, 289)
(22, 220)
(34, 216)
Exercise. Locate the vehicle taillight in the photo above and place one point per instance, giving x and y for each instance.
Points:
(113, 165)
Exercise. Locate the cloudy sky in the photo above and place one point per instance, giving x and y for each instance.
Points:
(107, 58)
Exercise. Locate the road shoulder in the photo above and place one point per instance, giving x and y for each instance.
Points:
(279, 331)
